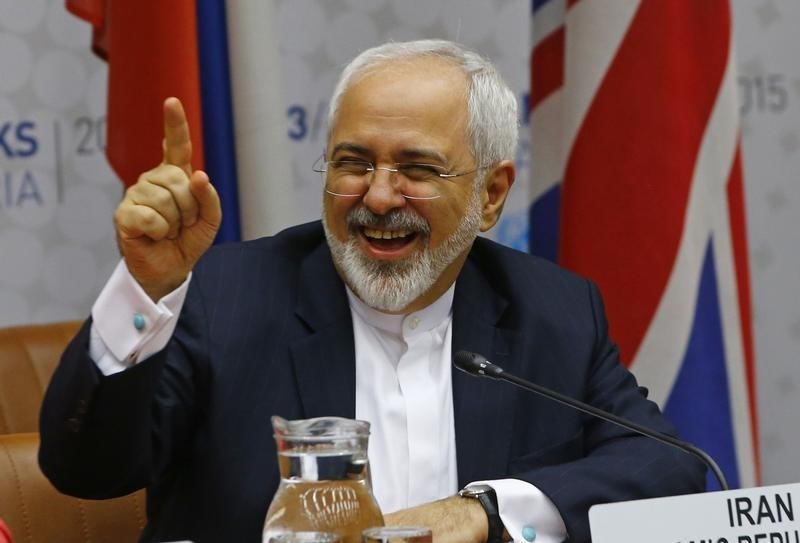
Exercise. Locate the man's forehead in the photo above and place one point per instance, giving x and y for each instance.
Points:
(418, 86)
(410, 153)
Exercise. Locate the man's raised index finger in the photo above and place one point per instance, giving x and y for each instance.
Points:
(177, 141)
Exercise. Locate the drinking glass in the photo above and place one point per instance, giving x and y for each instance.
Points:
(306, 537)
(398, 534)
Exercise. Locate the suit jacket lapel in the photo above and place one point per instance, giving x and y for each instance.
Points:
(324, 360)
(483, 409)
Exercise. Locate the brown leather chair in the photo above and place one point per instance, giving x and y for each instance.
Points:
(37, 512)
(34, 510)
(28, 357)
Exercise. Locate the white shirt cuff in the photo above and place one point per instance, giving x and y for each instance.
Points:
(524, 509)
(127, 326)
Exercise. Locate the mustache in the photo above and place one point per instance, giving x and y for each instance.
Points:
(396, 219)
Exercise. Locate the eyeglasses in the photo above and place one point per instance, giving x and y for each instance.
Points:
(351, 178)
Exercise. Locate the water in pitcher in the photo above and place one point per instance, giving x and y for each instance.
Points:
(325, 483)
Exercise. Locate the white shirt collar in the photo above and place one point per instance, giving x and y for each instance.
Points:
(424, 320)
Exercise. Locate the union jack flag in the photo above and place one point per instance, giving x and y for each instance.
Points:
(637, 184)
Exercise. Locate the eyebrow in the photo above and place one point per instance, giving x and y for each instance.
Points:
(351, 148)
(416, 155)
(404, 155)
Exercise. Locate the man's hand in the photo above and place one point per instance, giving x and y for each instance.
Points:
(452, 520)
(169, 218)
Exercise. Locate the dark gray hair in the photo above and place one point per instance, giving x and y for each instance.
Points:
(492, 126)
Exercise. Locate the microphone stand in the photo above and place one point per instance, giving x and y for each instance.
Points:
(477, 365)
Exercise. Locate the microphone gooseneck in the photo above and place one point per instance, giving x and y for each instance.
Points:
(478, 365)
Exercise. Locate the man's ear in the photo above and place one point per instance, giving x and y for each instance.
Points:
(498, 183)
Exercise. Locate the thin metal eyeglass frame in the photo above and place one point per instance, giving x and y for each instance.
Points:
(375, 168)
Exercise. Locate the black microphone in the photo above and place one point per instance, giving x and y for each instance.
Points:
(477, 365)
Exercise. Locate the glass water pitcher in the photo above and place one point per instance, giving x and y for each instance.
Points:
(325, 479)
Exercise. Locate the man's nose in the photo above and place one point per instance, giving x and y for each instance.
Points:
(383, 192)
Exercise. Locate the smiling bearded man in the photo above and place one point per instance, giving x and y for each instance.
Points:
(191, 348)
(405, 190)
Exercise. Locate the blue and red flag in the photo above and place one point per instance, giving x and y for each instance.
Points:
(153, 52)
(637, 184)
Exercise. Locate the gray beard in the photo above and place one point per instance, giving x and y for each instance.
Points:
(392, 285)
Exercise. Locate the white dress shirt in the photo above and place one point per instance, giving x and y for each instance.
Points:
(403, 388)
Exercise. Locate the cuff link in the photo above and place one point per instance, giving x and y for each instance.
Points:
(529, 533)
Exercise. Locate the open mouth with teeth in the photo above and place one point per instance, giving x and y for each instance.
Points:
(388, 243)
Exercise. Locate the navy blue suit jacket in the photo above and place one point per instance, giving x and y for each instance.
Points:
(266, 329)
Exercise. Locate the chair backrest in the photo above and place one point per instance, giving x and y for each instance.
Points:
(28, 357)
(35, 511)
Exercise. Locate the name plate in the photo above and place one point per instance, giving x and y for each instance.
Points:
(766, 514)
